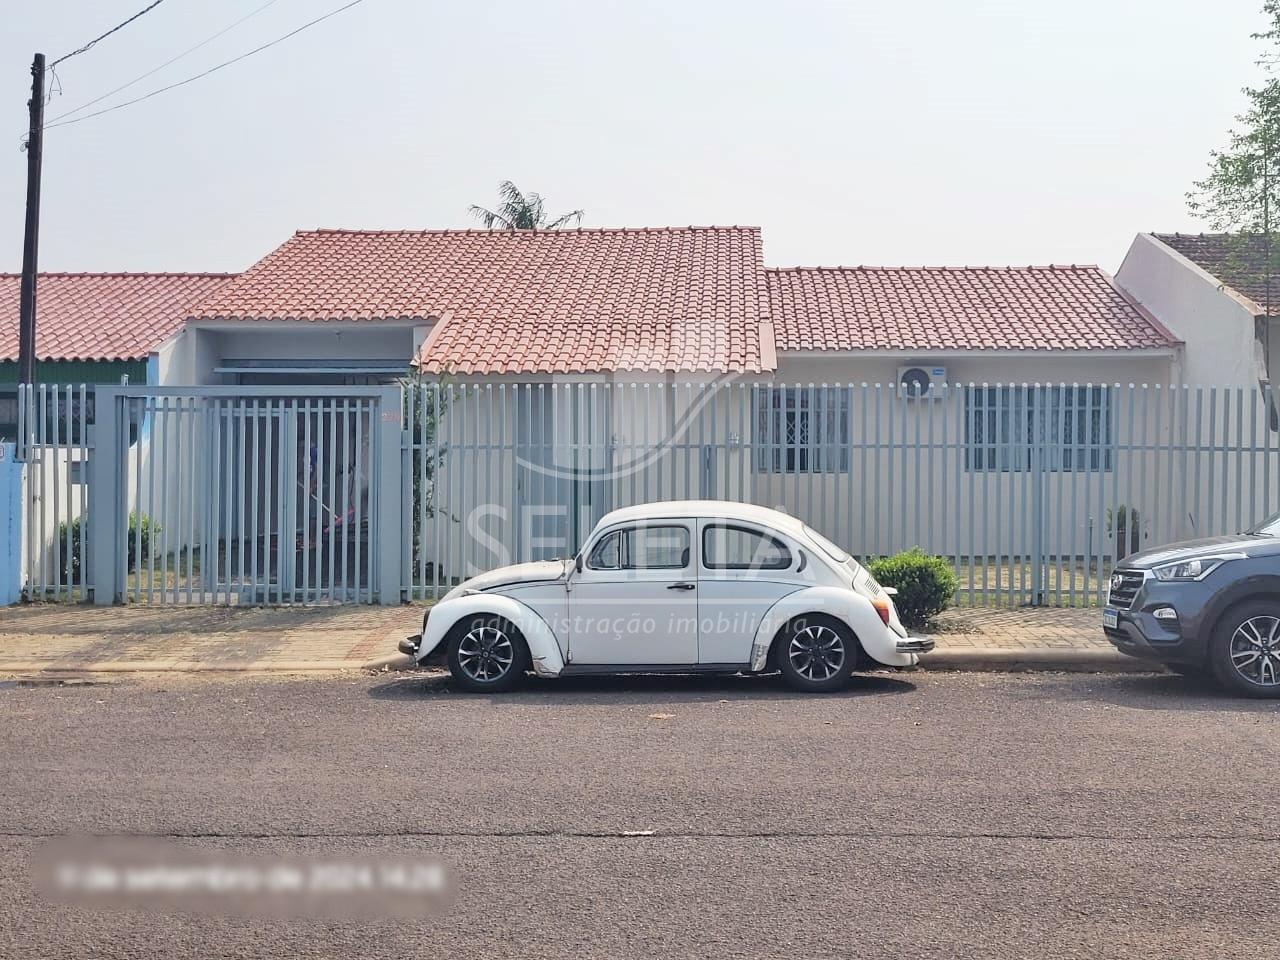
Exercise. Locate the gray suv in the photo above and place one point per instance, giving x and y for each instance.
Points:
(1204, 606)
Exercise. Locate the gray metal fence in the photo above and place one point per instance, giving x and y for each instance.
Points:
(269, 495)
(220, 495)
(54, 440)
(1033, 492)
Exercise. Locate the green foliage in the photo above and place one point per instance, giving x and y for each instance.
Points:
(926, 585)
(423, 407)
(72, 564)
(520, 211)
(1241, 191)
(142, 530)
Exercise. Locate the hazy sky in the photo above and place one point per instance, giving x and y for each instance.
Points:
(913, 131)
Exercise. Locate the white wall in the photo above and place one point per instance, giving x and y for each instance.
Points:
(315, 341)
(190, 357)
(1216, 325)
(1028, 367)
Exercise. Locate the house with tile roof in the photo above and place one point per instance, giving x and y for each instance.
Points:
(648, 302)
(1211, 290)
(351, 305)
(96, 327)
(680, 301)
(1045, 324)
(695, 370)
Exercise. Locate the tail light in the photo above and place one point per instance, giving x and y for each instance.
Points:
(883, 607)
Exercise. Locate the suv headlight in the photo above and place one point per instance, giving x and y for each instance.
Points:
(1196, 569)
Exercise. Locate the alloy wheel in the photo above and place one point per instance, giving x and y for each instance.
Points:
(816, 652)
(486, 653)
(1255, 650)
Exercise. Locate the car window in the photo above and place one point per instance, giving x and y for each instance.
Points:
(726, 547)
(1269, 527)
(660, 547)
(829, 548)
(607, 553)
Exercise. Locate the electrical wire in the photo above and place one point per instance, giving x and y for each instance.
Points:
(118, 26)
(171, 60)
(198, 76)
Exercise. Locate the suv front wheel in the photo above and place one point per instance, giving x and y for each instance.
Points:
(1246, 649)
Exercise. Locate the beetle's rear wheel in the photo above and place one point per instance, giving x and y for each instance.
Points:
(487, 655)
(816, 655)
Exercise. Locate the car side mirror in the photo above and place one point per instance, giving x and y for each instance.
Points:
(577, 563)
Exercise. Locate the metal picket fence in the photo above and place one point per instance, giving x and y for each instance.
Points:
(1032, 492)
(54, 440)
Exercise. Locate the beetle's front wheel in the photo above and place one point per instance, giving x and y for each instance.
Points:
(816, 655)
(487, 655)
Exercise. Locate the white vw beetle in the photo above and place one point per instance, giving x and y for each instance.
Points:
(680, 587)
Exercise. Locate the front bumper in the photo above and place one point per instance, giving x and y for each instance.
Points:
(410, 645)
(1139, 633)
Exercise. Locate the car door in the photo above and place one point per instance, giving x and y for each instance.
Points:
(635, 600)
(743, 570)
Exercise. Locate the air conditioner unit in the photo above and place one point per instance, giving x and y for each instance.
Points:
(923, 383)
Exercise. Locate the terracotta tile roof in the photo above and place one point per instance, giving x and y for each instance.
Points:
(957, 308)
(102, 316)
(548, 301)
(1237, 259)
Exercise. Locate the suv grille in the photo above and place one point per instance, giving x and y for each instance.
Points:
(1125, 585)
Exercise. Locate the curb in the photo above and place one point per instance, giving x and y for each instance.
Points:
(1007, 660)
(969, 659)
(390, 664)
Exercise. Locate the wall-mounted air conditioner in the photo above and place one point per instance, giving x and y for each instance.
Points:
(921, 382)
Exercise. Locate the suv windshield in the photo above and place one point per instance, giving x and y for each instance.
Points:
(1269, 527)
(829, 548)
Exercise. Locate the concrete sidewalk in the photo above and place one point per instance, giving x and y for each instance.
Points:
(1025, 638)
(68, 639)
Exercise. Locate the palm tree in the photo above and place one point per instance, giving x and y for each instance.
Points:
(520, 211)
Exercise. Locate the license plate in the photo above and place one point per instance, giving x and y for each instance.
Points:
(1110, 618)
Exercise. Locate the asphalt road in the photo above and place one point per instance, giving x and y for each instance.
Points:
(918, 815)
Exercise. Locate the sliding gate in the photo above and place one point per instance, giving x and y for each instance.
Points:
(245, 495)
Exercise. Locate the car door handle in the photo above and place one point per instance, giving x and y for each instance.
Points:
(681, 586)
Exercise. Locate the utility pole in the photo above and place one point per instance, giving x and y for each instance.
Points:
(31, 239)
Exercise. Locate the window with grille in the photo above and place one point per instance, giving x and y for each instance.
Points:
(1072, 426)
(800, 429)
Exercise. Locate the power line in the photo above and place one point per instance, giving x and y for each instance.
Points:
(198, 76)
(171, 60)
(118, 26)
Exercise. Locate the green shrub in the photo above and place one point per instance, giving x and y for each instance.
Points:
(140, 538)
(73, 565)
(926, 585)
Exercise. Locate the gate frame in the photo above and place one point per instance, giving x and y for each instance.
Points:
(108, 522)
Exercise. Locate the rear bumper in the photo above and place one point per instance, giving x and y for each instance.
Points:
(915, 645)
(410, 645)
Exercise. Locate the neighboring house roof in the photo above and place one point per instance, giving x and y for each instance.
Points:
(957, 308)
(102, 316)
(547, 301)
(1238, 260)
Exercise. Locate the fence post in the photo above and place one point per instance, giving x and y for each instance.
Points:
(10, 524)
(1041, 422)
(107, 507)
(392, 519)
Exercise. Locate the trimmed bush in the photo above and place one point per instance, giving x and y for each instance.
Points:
(73, 565)
(926, 585)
